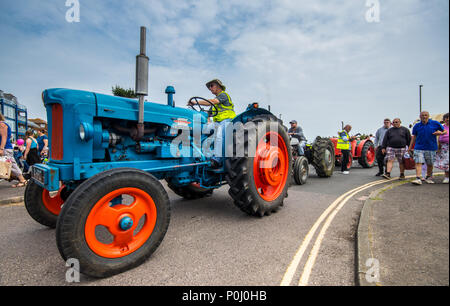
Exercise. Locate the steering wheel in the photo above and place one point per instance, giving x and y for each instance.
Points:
(193, 102)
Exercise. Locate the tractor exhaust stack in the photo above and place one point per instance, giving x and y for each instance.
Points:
(142, 61)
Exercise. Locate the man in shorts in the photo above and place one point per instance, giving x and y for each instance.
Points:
(424, 142)
(395, 145)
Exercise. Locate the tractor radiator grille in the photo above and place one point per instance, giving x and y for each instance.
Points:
(57, 132)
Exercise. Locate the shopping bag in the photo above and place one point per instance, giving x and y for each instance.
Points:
(5, 168)
(409, 162)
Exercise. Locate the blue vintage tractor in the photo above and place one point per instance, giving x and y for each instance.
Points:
(101, 187)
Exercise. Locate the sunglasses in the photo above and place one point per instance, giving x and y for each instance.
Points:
(211, 85)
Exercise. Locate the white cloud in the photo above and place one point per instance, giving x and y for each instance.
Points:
(319, 62)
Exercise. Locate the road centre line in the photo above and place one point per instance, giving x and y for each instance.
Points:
(292, 268)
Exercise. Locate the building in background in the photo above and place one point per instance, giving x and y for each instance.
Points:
(15, 115)
(33, 126)
(42, 124)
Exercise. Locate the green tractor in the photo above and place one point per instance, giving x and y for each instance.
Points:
(320, 154)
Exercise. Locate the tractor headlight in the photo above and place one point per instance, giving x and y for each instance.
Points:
(86, 131)
(82, 132)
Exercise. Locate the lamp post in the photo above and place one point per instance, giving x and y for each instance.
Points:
(420, 97)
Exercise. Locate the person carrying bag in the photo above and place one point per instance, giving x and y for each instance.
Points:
(6, 153)
(408, 162)
(5, 168)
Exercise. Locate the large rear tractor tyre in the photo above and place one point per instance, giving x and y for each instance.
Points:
(113, 221)
(367, 159)
(301, 170)
(323, 158)
(190, 192)
(44, 206)
(259, 180)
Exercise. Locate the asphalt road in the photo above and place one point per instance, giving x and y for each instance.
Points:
(209, 241)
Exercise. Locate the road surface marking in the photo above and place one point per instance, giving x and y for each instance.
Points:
(289, 274)
(331, 212)
(315, 250)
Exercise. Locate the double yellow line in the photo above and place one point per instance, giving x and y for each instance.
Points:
(328, 215)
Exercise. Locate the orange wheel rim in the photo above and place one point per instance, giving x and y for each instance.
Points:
(53, 203)
(271, 166)
(104, 214)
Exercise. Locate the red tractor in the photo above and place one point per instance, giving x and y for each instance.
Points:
(362, 150)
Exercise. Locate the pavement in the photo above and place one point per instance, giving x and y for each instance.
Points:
(9, 195)
(402, 236)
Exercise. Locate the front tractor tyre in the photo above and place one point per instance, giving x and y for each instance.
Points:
(113, 221)
(350, 161)
(44, 206)
(301, 170)
(259, 180)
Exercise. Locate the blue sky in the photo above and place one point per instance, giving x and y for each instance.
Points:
(317, 61)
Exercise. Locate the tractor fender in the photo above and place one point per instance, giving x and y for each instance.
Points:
(337, 151)
(252, 112)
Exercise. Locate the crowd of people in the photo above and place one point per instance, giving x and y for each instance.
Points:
(23, 153)
(427, 143)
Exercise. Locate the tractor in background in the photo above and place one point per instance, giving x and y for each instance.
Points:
(320, 154)
(362, 150)
(101, 186)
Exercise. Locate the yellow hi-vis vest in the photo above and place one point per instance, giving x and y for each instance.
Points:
(341, 144)
(224, 112)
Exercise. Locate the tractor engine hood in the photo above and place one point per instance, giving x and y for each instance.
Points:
(100, 105)
(68, 109)
(128, 109)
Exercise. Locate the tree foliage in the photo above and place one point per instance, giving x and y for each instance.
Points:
(122, 92)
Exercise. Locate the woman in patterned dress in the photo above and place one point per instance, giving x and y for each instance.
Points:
(442, 153)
